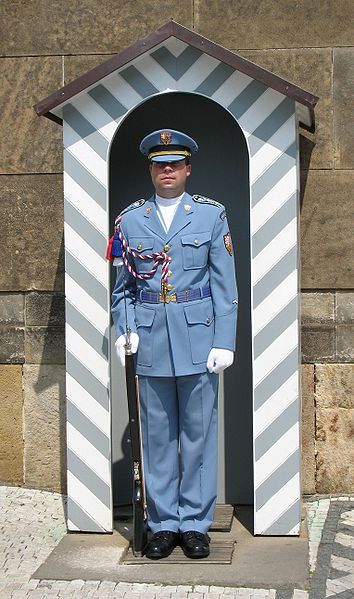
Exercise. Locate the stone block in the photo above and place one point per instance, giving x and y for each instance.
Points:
(308, 465)
(84, 26)
(31, 245)
(11, 439)
(343, 82)
(45, 436)
(345, 343)
(45, 345)
(334, 386)
(345, 307)
(311, 69)
(334, 450)
(317, 309)
(11, 308)
(326, 228)
(28, 144)
(45, 309)
(317, 344)
(12, 345)
(275, 23)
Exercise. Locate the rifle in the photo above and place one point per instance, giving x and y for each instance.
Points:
(139, 502)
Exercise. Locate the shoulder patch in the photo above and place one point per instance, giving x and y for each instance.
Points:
(204, 200)
(136, 204)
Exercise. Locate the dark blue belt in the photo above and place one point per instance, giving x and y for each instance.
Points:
(189, 295)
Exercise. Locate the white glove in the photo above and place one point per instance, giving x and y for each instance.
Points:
(120, 346)
(219, 359)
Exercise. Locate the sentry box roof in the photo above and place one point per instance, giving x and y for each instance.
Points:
(176, 63)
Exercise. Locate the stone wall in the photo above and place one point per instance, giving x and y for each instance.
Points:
(327, 319)
(46, 44)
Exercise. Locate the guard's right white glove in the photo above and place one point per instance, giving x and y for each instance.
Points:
(120, 346)
(219, 359)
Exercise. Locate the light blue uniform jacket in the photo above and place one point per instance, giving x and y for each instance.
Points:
(176, 338)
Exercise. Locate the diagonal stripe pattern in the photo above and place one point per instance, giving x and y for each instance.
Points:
(268, 122)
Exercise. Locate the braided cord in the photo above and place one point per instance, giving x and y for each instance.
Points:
(158, 257)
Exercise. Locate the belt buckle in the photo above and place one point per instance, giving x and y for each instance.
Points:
(164, 298)
(170, 298)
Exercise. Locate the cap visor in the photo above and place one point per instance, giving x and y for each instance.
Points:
(168, 158)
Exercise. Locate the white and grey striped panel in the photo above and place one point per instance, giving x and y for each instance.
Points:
(86, 289)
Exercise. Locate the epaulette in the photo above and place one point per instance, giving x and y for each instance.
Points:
(204, 200)
(136, 204)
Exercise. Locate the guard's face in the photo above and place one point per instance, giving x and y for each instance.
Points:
(169, 178)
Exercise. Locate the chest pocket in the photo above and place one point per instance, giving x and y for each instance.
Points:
(142, 245)
(195, 250)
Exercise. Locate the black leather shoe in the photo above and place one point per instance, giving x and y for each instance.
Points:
(161, 544)
(195, 544)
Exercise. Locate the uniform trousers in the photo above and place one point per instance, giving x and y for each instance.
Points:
(179, 433)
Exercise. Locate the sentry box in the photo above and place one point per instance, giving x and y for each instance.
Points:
(245, 120)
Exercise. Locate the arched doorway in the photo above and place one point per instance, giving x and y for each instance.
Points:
(220, 171)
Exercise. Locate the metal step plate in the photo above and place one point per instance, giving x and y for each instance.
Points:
(220, 553)
(223, 517)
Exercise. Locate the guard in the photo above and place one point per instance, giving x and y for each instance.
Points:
(174, 258)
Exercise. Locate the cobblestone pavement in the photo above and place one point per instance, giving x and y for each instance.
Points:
(32, 523)
(331, 543)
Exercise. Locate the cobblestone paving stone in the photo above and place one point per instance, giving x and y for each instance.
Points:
(32, 522)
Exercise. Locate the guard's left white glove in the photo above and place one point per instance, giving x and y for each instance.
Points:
(219, 359)
(120, 346)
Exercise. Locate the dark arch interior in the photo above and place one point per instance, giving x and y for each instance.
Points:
(220, 170)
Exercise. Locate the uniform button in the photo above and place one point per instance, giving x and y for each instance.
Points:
(208, 320)
(169, 273)
(140, 246)
(166, 248)
(196, 242)
(169, 287)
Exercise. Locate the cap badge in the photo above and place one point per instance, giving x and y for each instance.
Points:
(227, 242)
(187, 207)
(165, 137)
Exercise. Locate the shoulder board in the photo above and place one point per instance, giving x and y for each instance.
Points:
(204, 200)
(136, 204)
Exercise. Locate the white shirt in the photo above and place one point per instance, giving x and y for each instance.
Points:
(166, 209)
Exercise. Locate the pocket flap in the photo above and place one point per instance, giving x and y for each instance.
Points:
(141, 244)
(144, 317)
(196, 239)
(199, 313)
